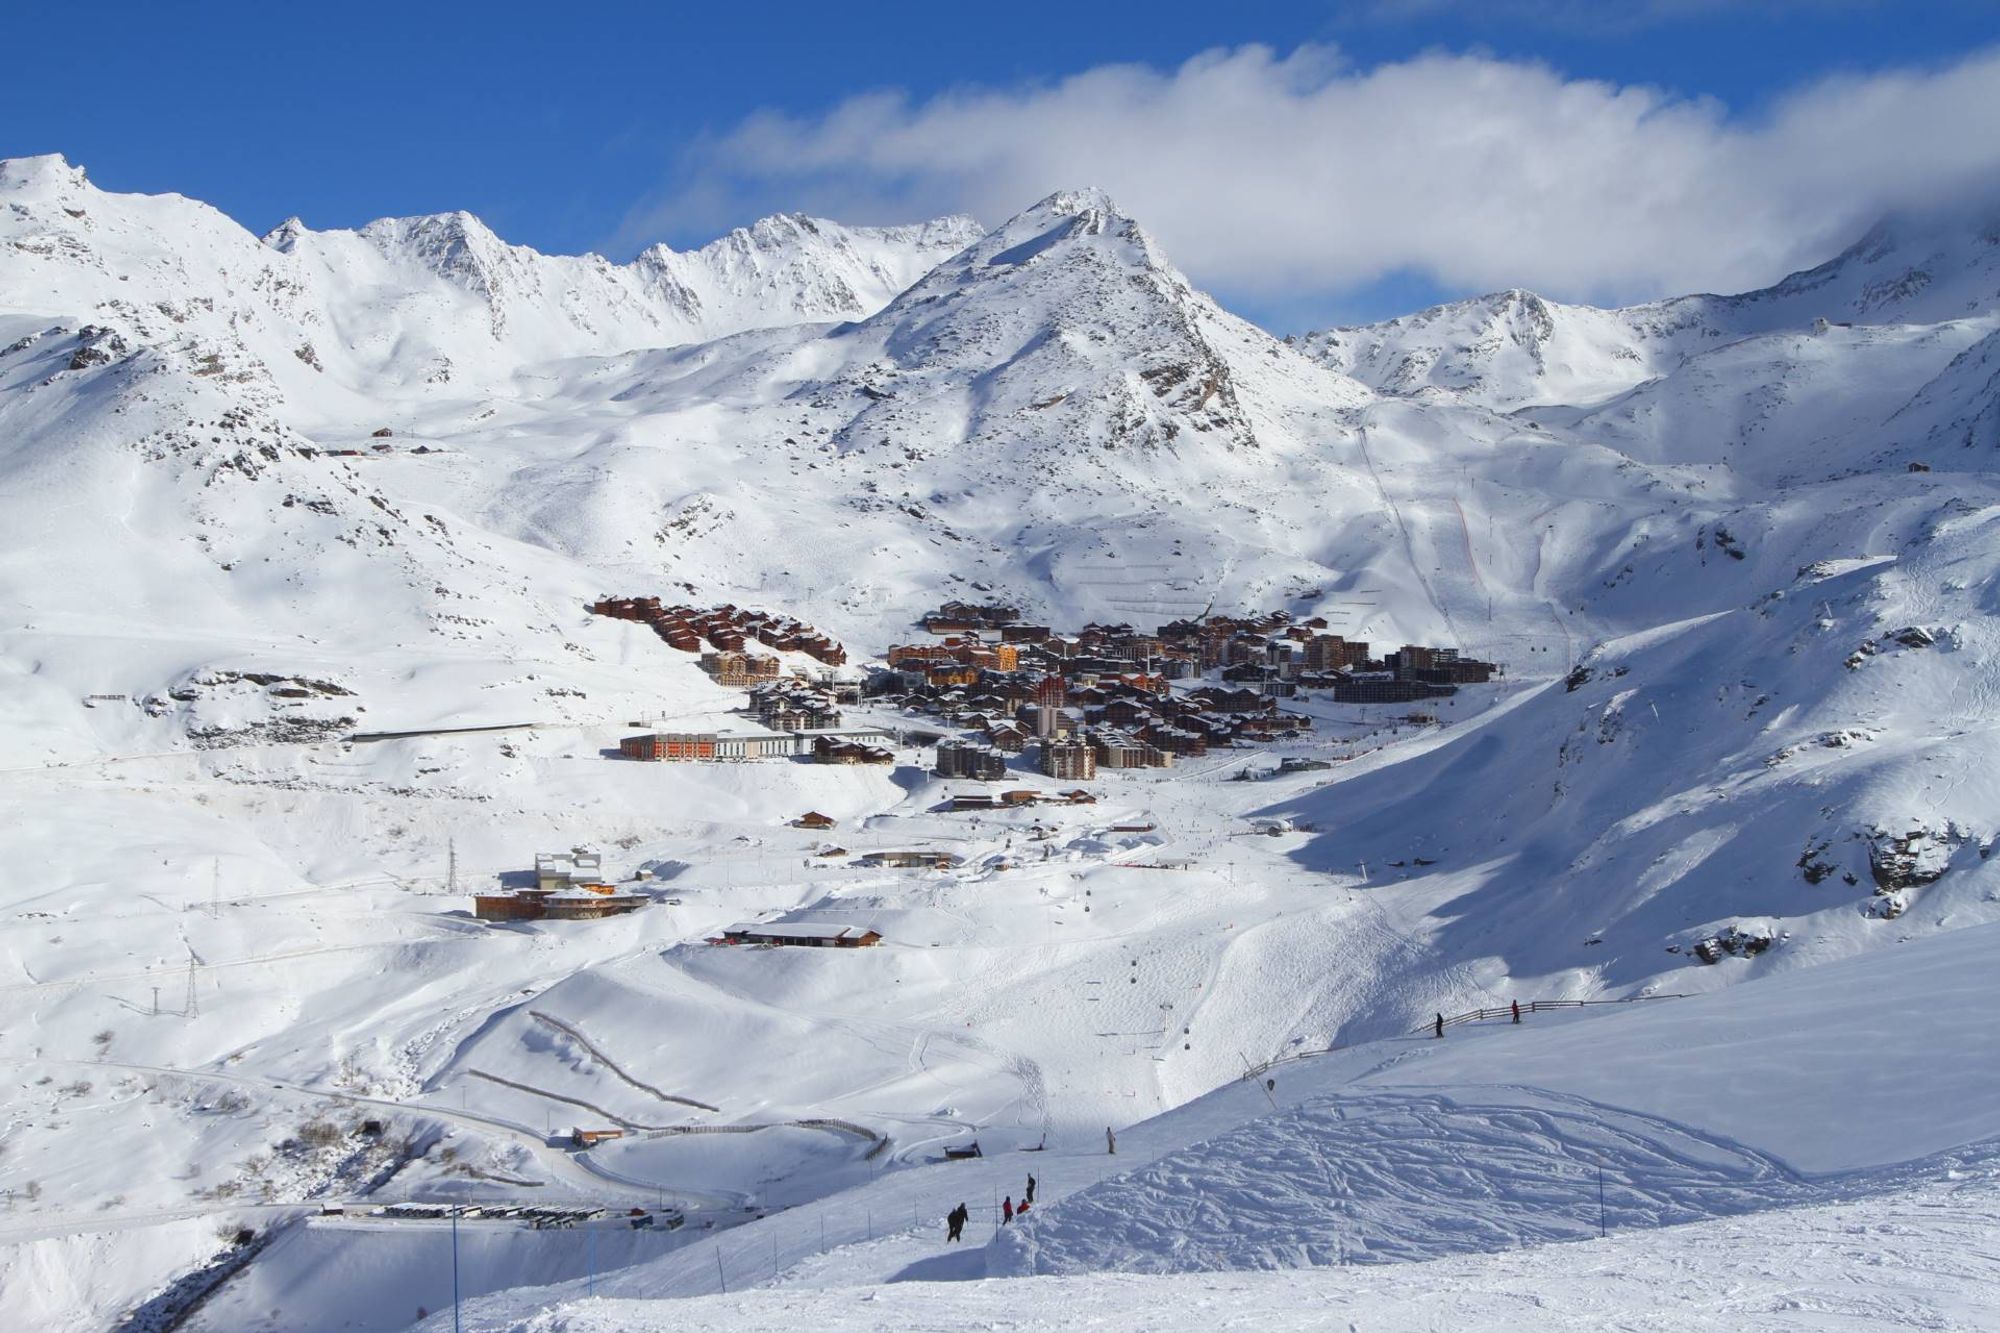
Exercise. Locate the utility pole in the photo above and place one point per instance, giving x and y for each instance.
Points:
(451, 865)
(454, 1271)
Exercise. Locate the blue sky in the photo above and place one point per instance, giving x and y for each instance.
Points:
(599, 126)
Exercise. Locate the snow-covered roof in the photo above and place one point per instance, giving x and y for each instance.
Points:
(800, 930)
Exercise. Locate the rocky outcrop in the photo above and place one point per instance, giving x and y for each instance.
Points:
(1735, 941)
(1910, 860)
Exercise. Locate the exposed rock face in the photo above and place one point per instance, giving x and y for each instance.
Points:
(1737, 941)
(98, 346)
(1909, 860)
(1814, 863)
(223, 708)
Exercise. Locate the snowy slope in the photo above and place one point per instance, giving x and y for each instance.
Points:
(1748, 712)
(1493, 1138)
(1916, 1262)
(1490, 1141)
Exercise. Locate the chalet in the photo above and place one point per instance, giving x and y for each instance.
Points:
(833, 750)
(1007, 737)
(1212, 699)
(590, 1138)
(813, 819)
(733, 667)
(1126, 712)
(957, 617)
(944, 677)
(790, 706)
(801, 934)
(1175, 740)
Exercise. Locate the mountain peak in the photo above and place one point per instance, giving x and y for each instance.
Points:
(1915, 265)
(284, 237)
(45, 174)
(456, 246)
(1069, 221)
(1079, 202)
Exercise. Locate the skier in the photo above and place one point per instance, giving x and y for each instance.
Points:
(1110, 1141)
(1007, 1210)
(1030, 1197)
(955, 1223)
(1439, 1027)
(1517, 1010)
(1022, 1211)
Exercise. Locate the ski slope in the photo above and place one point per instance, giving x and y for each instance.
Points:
(1491, 1141)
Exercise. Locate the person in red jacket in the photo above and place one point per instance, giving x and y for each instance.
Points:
(1007, 1209)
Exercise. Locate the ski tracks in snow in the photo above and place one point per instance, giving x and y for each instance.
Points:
(1394, 1177)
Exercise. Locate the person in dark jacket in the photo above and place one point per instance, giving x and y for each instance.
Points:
(955, 1223)
(1030, 1196)
(1517, 1009)
(1440, 1025)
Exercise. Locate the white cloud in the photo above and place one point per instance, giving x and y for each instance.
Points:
(1595, 16)
(1267, 175)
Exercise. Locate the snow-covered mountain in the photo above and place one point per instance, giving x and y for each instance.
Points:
(1734, 553)
(1516, 349)
(408, 302)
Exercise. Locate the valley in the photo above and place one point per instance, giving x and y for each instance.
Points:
(305, 653)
